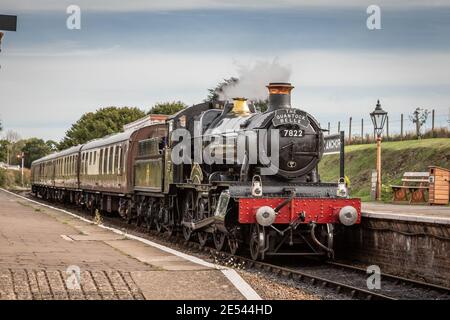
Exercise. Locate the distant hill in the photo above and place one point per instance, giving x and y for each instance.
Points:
(397, 157)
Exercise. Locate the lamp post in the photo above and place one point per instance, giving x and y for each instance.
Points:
(378, 117)
(21, 156)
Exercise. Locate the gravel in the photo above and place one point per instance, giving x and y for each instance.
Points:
(270, 289)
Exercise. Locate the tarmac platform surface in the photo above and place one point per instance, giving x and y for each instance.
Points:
(48, 254)
(419, 213)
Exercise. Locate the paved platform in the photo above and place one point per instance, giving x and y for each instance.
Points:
(419, 213)
(42, 250)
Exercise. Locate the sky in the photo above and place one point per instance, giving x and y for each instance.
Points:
(138, 53)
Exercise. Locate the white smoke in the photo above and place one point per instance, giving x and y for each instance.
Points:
(253, 79)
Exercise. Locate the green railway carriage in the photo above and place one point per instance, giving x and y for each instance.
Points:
(104, 173)
(57, 173)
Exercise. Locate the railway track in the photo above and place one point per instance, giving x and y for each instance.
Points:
(340, 278)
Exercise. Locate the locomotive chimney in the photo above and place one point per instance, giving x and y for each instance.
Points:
(279, 95)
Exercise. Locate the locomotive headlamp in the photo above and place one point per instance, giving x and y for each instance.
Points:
(257, 186)
(265, 216)
(348, 215)
(342, 191)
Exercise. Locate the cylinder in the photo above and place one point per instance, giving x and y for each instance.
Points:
(279, 95)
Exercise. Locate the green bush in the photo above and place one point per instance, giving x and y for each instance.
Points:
(13, 178)
(6, 178)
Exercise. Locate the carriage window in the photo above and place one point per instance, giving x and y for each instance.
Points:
(119, 165)
(90, 158)
(100, 162)
(116, 159)
(123, 152)
(110, 163)
(105, 161)
(149, 147)
(95, 156)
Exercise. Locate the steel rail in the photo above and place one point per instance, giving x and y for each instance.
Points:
(282, 271)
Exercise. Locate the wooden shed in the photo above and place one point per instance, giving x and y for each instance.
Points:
(439, 192)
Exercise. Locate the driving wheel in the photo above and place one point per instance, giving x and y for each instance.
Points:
(219, 240)
(188, 214)
(257, 242)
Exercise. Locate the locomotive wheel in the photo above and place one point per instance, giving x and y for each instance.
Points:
(157, 218)
(150, 218)
(202, 238)
(257, 241)
(188, 214)
(202, 205)
(219, 240)
(140, 212)
(92, 206)
(158, 226)
(233, 245)
(170, 228)
(129, 212)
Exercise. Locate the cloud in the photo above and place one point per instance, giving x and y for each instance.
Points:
(42, 96)
(168, 5)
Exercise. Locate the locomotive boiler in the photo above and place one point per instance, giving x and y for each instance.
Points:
(216, 172)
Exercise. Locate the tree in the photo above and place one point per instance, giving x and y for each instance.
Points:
(12, 138)
(215, 94)
(167, 108)
(419, 117)
(4, 145)
(15, 150)
(34, 149)
(261, 105)
(104, 121)
(53, 145)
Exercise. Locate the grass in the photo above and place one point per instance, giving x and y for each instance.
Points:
(11, 179)
(396, 158)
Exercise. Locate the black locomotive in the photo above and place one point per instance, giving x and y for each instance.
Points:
(220, 172)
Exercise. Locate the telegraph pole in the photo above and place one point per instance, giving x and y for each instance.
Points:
(21, 156)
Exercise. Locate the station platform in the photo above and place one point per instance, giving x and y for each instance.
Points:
(49, 253)
(417, 213)
(412, 241)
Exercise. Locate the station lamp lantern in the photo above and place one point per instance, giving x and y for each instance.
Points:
(378, 117)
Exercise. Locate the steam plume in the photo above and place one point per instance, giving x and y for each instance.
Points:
(252, 80)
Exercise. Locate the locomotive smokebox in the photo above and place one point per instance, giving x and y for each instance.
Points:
(279, 95)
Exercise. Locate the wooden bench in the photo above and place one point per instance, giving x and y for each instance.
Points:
(413, 189)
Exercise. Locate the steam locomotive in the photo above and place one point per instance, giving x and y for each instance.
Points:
(219, 172)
